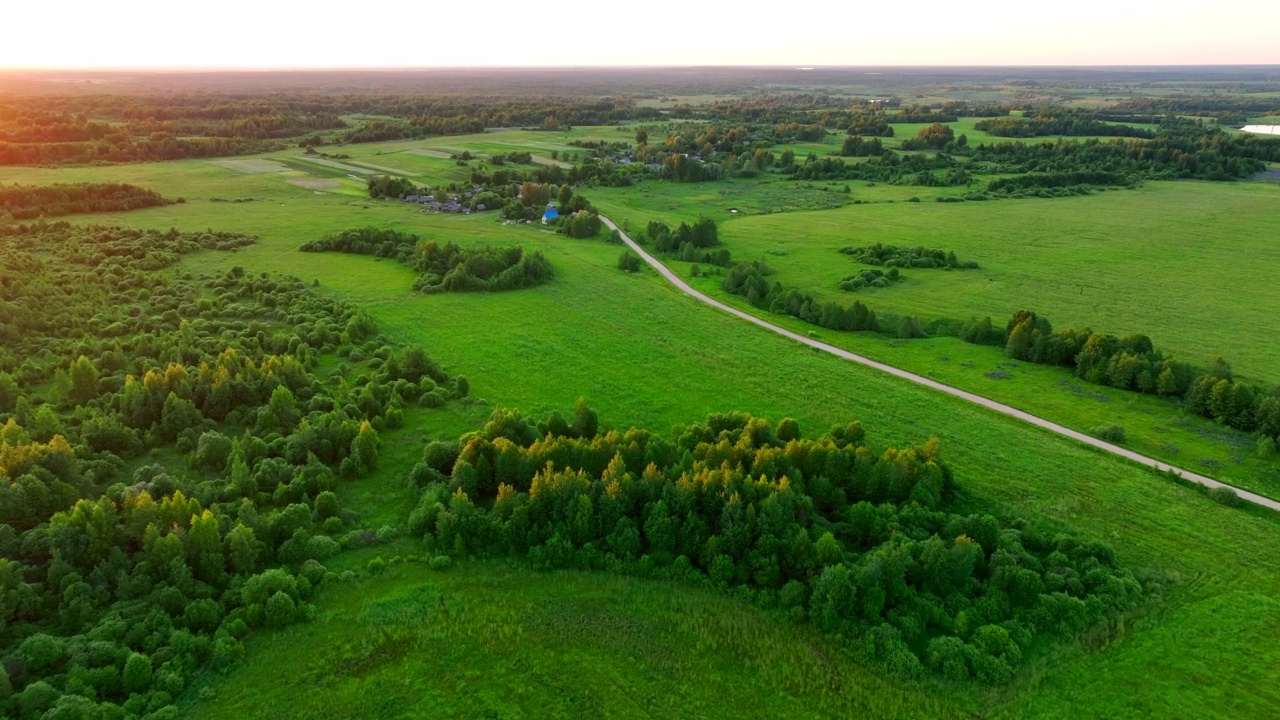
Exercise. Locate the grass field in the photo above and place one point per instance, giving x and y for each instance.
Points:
(513, 644)
(1152, 261)
(616, 338)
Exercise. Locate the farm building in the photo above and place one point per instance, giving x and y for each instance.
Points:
(549, 215)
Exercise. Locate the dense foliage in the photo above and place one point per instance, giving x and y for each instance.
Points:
(447, 268)
(1133, 363)
(749, 280)
(1058, 121)
(28, 202)
(871, 548)
(908, 257)
(122, 577)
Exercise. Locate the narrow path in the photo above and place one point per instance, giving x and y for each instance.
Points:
(934, 384)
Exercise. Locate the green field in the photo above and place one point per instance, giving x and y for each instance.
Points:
(508, 643)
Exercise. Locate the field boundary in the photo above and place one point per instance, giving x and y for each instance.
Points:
(988, 403)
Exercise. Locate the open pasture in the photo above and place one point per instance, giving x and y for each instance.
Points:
(1145, 261)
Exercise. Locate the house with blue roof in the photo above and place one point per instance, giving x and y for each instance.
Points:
(550, 214)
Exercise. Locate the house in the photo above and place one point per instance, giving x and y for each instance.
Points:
(550, 215)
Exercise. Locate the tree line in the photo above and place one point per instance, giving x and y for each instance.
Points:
(870, 547)
(1133, 363)
(28, 202)
(1059, 121)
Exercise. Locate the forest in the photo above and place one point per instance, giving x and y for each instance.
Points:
(122, 578)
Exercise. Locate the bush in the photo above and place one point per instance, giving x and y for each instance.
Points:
(441, 562)
(1225, 496)
(1110, 433)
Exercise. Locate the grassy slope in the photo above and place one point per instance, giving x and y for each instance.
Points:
(645, 355)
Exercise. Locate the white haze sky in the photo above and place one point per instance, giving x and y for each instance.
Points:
(431, 33)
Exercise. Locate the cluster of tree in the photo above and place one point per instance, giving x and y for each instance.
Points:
(443, 268)
(750, 281)
(871, 278)
(121, 580)
(629, 262)
(1249, 104)
(1060, 121)
(580, 224)
(28, 202)
(152, 148)
(390, 186)
(701, 234)
(935, 137)
(1181, 151)
(1132, 363)
(891, 167)
(908, 257)
(691, 243)
(868, 547)
(855, 146)
(519, 158)
(871, 122)
(1035, 183)
(922, 114)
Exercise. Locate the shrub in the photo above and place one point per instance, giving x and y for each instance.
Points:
(1225, 496)
(1110, 433)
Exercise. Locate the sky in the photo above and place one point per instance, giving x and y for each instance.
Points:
(427, 33)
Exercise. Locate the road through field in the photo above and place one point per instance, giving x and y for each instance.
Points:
(934, 384)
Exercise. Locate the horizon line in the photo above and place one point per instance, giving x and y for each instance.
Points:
(4, 69)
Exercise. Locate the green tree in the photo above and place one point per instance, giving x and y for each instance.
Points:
(642, 137)
(8, 393)
(137, 673)
(84, 381)
(364, 448)
(244, 549)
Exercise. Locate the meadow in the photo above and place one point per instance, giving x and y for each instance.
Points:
(615, 337)
(491, 638)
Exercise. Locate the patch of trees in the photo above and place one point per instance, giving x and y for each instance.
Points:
(1023, 185)
(1181, 151)
(855, 146)
(443, 268)
(629, 262)
(750, 280)
(691, 243)
(875, 278)
(891, 167)
(870, 122)
(28, 202)
(122, 579)
(908, 257)
(921, 114)
(935, 137)
(869, 547)
(1133, 363)
(1060, 122)
(390, 186)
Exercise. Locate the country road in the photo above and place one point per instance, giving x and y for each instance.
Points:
(934, 384)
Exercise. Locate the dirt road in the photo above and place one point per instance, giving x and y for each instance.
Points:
(934, 384)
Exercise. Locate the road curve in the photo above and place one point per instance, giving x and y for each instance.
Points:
(934, 384)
